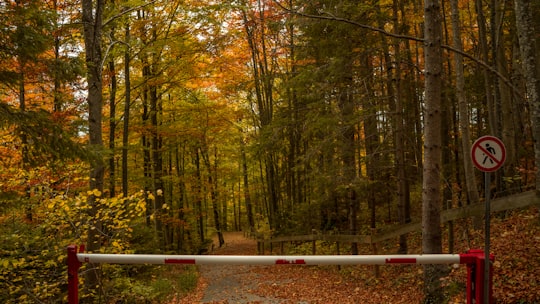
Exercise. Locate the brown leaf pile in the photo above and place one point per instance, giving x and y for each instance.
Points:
(515, 242)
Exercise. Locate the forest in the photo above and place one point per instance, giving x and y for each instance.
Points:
(151, 126)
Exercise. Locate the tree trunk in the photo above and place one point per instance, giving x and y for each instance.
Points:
(264, 84)
(112, 128)
(57, 103)
(146, 143)
(394, 92)
(483, 44)
(212, 183)
(508, 129)
(431, 189)
(495, 42)
(294, 174)
(157, 164)
(247, 196)
(127, 103)
(198, 195)
(22, 107)
(92, 14)
(348, 143)
(528, 25)
(372, 141)
(24, 138)
(180, 173)
(463, 108)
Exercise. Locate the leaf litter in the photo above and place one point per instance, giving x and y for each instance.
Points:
(514, 242)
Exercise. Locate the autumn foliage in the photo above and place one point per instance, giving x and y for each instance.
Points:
(154, 126)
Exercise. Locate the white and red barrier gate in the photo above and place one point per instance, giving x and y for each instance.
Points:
(474, 259)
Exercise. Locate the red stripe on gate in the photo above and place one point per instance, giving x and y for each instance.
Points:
(179, 261)
(285, 262)
(401, 261)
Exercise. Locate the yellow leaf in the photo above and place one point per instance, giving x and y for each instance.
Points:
(94, 192)
(113, 201)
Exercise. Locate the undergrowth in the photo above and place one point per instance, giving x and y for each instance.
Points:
(156, 284)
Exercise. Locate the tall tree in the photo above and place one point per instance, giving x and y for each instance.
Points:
(527, 14)
(245, 185)
(213, 187)
(92, 20)
(463, 109)
(113, 88)
(25, 39)
(255, 25)
(484, 55)
(127, 108)
(431, 188)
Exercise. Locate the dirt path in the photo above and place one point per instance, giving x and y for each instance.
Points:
(284, 284)
(230, 283)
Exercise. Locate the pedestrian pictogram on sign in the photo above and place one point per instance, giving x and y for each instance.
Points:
(488, 153)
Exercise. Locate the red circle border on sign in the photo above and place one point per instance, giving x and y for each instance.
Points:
(476, 145)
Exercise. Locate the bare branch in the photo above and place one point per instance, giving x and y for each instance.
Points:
(127, 11)
(331, 17)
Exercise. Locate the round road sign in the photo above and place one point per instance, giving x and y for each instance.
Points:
(488, 153)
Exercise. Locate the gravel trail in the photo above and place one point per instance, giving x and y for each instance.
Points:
(233, 283)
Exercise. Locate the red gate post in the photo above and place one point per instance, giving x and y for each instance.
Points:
(474, 259)
(73, 274)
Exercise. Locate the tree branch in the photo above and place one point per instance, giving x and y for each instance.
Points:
(331, 17)
(126, 11)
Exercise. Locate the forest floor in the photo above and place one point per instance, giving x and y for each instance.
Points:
(515, 242)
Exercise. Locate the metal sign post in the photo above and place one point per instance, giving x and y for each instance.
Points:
(488, 155)
(487, 231)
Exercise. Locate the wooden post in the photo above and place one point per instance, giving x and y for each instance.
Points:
(376, 270)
